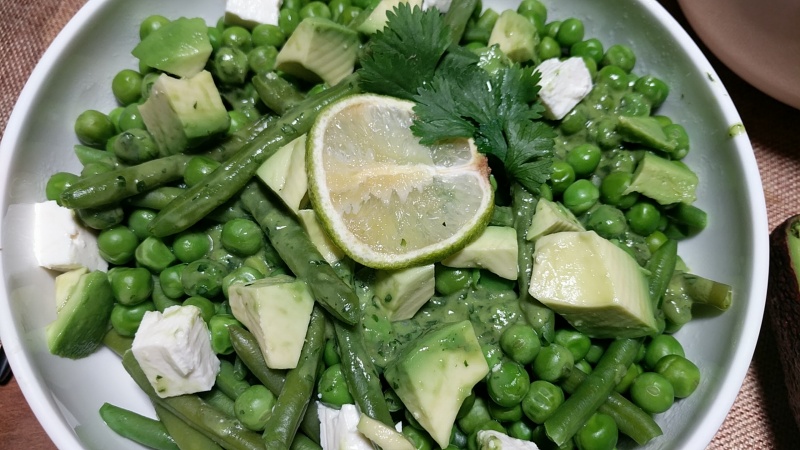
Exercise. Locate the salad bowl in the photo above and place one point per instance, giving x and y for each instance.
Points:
(75, 74)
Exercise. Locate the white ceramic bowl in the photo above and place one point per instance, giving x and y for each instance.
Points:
(75, 74)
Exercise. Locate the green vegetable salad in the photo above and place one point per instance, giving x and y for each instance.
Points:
(552, 329)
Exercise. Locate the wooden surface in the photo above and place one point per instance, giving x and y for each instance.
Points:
(760, 418)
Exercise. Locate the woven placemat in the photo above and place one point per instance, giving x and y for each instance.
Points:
(760, 417)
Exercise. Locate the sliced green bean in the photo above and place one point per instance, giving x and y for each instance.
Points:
(502, 216)
(144, 430)
(118, 343)
(456, 18)
(279, 94)
(302, 442)
(186, 437)
(223, 183)
(301, 255)
(661, 266)
(227, 381)
(88, 155)
(220, 401)
(298, 389)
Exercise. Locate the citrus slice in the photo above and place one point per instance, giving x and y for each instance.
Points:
(388, 201)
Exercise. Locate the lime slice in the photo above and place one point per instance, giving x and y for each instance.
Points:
(386, 200)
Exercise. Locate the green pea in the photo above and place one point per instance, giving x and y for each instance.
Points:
(215, 38)
(676, 133)
(127, 86)
(241, 275)
(206, 306)
(420, 439)
(135, 146)
(594, 354)
(242, 237)
(584, 159)
(621, 56)
(253, 407)
(613, 77)
(551, 29)
(349, 14)
(101, 218)
(288, 19)
(231, 65)
(494, 282)
(655, 90)
(191, 246)
(332, 387)
(634, 104)
(634, 370)
(659, 347)
(541, 401)
(548, 48)
(553, 363)
(472, 418)
(574, 121)
(130, 285)
(580, 196)
(576, 342)
(198, 168)
(238, 120)
(114, 115)
(203, 277)
(472, 439)
(643, 218)
(508, 384)
(94, 128)
(607, 221)
(220, 337)
(337, 8)
(131, 118)
(268, 35)
(293, 4)
(683, 375)
(151, 24)
(505, 413)
(237, 37)
(139, 220)
(520, 342)
(598, 433)
(561, 177)
(261, 59)
(330, 353)
(520, 430)
(126, 319)
(315, 9)
(57, 183)
(117, 245)
(652, 392)
(570, 32)
(590, 48)
(450, 280)
(147, 85)
(533, 8)
(613, 187)
(170, 281)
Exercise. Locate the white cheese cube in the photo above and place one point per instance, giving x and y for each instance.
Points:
(441, 5)
(338, 429)
(494, 440)
(61, 242)
(174, 350)
(249, 13)
(563, 85)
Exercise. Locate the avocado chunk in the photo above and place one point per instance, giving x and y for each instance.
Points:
(183, 113)
(285, 173)
(384, 436)
(595, 285)
(515, 35)
(664, 181)
(401, 293)
(319, 50)
(83, 318)
(435, 373)
(277, 311)
(646, 131)
(180, 47)
(494, 250)
(551, 217)
(492, 59)
(329, 251)
(375, 20)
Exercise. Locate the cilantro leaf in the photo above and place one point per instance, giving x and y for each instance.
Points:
(529, 158)
(404, 55)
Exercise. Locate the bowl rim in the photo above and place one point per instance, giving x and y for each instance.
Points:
(49, 414)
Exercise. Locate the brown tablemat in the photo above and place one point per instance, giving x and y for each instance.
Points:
(760, 417)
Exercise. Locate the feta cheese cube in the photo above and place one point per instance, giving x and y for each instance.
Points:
(249, 13)
(563, 85)
(494, 440)
(174, 350)
(441, 5)
(61, 242)
(339, 429)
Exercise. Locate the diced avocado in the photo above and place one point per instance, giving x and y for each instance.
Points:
(551, 217)
(515, 35)
(435, 373)
(646, 131)
(319, 50)
(384, 436)
(595, 285)
(492, 59)
(180, 47)
(664, 181)
(401, 293)
(494, 250)
(277, 311)
(329, 251)
(65, 285)
(83, 319)
(183, 113)
(285, 173)
(374, 21)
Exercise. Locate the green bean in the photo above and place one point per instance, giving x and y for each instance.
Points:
(158, 199)
(236, 172)
(220, 401)
(87, 155)
(593, 391)
(227, 432)
(118, 343)
(238, 139)
(137, 428)
(303, 442)
(160, 299)
(279, 94)
(227, 381)
(690, 216)
(661, 266)
(502, 216)
(456, 18)
(186, 437)
(301, 255)
(298, 389)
